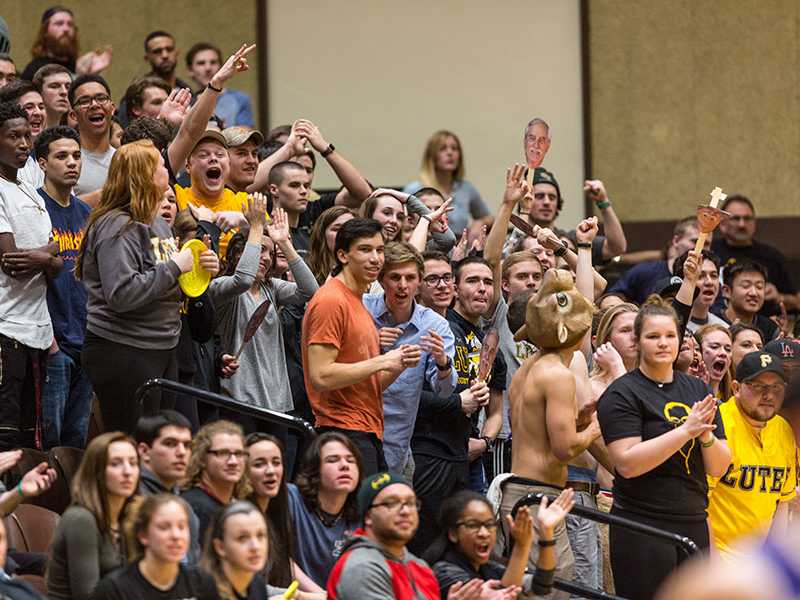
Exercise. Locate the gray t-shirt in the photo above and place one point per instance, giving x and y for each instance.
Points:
(23, 301)
(713, 319)
(94, 170)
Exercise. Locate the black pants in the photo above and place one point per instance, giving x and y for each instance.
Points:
(641, 563)
(117, 371)
(371, 448)
(434, 480)
(22, 372)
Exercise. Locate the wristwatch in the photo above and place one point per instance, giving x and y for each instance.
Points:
(328, 151)
(447, 365)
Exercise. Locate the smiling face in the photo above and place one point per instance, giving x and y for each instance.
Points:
(746, 341)
(33, 105)
(208, 167)
(364, 259)
(747, 292)
(122, 469)
(437, 290)
(338, 469)
(15, 143)
(92, 108)
(537, 143)
(245, 544)
(167, 534)
(397, 522)
(390, 214)
(717, 352)
(54, 93)
(400, 284)
(545, 203)
(476, 533)
(62, 165)
(244, 162)
(265, 468)
(224, 465)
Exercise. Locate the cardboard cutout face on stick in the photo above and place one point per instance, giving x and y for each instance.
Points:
(558, 315)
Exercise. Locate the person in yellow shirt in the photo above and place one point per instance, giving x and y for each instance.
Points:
(751, 499)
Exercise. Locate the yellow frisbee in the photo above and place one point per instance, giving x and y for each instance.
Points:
(196, 281)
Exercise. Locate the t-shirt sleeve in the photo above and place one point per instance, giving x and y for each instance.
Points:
(5, 219)
(498, 380)
(326, 322)
(619, 414)
(477, 207)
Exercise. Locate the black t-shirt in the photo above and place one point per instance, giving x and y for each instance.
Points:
(636, 406)
(204, 506)
(128, 583)
(449, 439)
(38, 63)
(257, 590)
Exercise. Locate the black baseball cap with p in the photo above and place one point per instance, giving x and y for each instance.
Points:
(755, 363)
(373, 485)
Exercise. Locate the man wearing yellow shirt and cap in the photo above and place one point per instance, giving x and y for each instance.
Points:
(752, 497)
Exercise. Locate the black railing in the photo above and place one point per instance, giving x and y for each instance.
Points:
(271, 416)
(683, 542)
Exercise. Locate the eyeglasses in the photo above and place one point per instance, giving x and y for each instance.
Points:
(743, 218)
(227, 454)
(396, 504)
(434, 280)
(762, 389)
(86, 101)
(475, 526)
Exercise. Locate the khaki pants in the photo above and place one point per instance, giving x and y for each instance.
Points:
(565, 561)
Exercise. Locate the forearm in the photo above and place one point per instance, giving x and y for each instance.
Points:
(685, 293)
(9, 501)
(780, 520)
(288, 250)
(616, 243)
(306, 284)
(334, 376)
(716, 457)
(493, 249)
(350, 177)
(419, 237)
(547, 554)
(600, 453)
(647, 455)
(599, 282)
(388, 376)
(192, 128)
(583, 273)
(223, 289)
(261, 179)
(517, 563)
(492, 424)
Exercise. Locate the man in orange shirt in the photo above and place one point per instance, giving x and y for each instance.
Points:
(345, 373)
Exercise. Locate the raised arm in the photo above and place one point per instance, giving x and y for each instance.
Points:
(615, 243)
(435, 221)
(196, 120)
(294, 146)
(516, 189)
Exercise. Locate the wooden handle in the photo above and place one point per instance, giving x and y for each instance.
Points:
(701, 241)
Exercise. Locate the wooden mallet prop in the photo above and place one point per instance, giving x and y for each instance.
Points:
(708, 217)
(254, 323)
(530, 230)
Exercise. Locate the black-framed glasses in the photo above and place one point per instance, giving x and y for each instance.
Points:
(227, 454)
(395, 504)
(475, 526)
(434, 280)
(85, 101)
(762, 389)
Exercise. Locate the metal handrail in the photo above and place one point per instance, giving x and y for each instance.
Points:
(688, 545)
(219, 400)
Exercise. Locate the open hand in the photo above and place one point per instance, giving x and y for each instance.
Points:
(255, 212)
(550, 515)
(38, 480)
(438, 217)
(311, 132)
(202, 213)
(521, 526)
(433, 343)
(175, 108)
(278, 227)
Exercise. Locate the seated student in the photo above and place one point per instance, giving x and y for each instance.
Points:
(13, 588)
(236, 552)
(157, 539)
(164, 444)
(375, 564)
(88, 541)
(265, 470)
(469, 531)
(746, 339)
(214, 477)
(323, 504)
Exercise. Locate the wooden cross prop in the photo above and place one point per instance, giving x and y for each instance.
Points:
(708, 217)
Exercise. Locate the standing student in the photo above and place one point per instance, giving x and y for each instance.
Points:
(157, 542)
(130, 265)
(53, 83)
(716, 347)
(236, 551)
(345, 373)
(664, 436)
(67, 392)
(88, 541)
(27, 259)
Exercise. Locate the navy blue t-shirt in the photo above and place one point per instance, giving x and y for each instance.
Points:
(66, 296)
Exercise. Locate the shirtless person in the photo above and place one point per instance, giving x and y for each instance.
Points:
(543, 398)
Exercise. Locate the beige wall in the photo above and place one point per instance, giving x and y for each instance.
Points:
(687, 95)
(124, 25)
(379, 77)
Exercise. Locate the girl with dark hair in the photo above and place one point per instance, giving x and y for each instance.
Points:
(664, 435)
(324, 504)
(469, 532)
(236, 552)
(157, 535)
(746, 339)
(88, 543)
(321, 258)
(265, 469)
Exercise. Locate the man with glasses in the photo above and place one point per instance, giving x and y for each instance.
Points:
(375, 564)
(737, 244)
(752, 498)
(92, 108)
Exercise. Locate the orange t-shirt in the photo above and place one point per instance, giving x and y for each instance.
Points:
(337, 316)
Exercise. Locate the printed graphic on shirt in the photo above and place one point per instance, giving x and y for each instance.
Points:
(677, 413)
(467, 358)
(69, 242)
(164, 248)
(762, 478)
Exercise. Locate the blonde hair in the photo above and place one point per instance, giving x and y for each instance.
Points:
(606, 324)
(200, 446)
(130, 188)
(515, 258)
(321, 259)
(427, 173)
(727, 379)
(140, 513)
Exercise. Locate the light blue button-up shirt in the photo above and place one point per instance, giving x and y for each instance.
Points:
(401, 399)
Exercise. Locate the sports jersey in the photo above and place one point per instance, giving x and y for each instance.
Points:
(229, 201)
(762, 473)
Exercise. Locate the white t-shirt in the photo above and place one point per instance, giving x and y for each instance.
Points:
(23, 301)
(94, 170)
(31, 173)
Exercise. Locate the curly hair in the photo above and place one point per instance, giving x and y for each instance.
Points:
(308, 477)
(157, 131)
(200, 446)
(10, 111)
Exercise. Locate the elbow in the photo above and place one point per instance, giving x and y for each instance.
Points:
(319, 382)
(624, 468)
(563, 453)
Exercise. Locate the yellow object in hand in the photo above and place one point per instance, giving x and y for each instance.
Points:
(291, 590)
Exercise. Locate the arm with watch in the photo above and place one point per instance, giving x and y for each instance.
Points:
(615, 242)
(550, 240)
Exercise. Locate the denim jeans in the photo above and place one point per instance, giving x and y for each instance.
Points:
(66, 402)
(584, 538)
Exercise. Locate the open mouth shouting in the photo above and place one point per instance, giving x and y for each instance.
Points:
(718, 368)
(214, 178)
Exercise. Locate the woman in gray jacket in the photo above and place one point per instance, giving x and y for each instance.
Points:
(130, 265)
